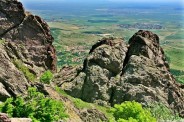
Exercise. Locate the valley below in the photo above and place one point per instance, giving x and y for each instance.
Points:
(76, 30)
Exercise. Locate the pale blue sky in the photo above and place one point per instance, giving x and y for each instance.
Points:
(156, 1)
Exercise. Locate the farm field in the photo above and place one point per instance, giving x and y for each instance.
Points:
(77, 27)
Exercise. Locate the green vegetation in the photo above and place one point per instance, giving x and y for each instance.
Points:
(7, 107)
(83, 27)
(35, 106)
(103, 21)
(179, 75)
(177, 35)
(177, 72)
(46, 77)
(175, 57)
(131, 112)
(68, 58)
(2, 41)
(176, 61)
(19, 64)
(161, 112)
(71, 34)
(180, 79)
(77, 102)
(81, 104)
(84, 105)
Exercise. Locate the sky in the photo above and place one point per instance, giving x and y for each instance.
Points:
(145, 0)
(29, 4)
(133, 1)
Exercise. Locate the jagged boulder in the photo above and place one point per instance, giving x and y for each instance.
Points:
(115, 72)
(11, 15)
(4, 118)
(26, 49)
(104, 62)
(28, 37)
(108, 53)
(92, 115)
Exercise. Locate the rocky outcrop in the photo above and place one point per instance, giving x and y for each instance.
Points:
(26, 49)
(93, 82)
(20, 120)
(115, 72)
(92, 115)
(4, 118)
(28, 36)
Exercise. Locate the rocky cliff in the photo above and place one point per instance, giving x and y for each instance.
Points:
(26, 51)
(26, 48)
(115, 72)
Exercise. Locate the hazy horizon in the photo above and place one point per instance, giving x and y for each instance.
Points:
(53, 4)
(120, 1)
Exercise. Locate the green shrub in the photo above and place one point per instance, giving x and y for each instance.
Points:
(35, 106)
(30, 76)
(77, 102)
(161, 112)
(46, 77)
(81, 104)
(7, 107)
(131, 112)
(180, 79)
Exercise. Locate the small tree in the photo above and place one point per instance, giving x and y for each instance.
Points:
(131, 112)
(46, 77)
(35, 106)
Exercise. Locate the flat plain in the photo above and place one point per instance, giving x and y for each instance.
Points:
(76, 27)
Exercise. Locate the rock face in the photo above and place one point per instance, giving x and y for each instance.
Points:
(4, 118)
(25, 48)
(115, 72)
(92, 115)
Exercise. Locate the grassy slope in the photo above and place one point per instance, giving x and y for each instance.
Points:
(79, 104)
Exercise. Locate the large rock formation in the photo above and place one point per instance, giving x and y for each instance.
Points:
(26, 48)
(112, 73)
(115, 72)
